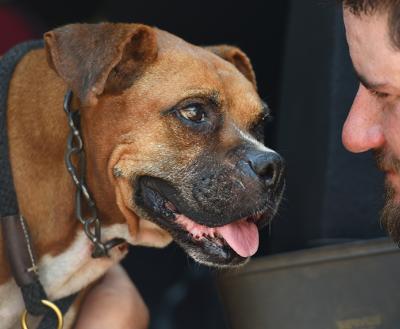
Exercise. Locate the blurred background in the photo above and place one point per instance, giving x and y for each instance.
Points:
(304, 73)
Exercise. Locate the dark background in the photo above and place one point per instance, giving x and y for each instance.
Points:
(304, 73)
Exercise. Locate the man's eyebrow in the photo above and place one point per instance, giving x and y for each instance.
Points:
(369, 84)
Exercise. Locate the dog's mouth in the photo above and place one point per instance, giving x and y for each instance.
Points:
(227, 245)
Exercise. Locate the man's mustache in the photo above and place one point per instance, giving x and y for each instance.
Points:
(386, 161)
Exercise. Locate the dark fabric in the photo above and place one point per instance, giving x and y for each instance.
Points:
(16, 25)
(50, 321)
(332, 195)
(8, 198)
(33, 293)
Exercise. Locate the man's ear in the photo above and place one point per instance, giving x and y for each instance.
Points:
(97, 58)
(236, 57)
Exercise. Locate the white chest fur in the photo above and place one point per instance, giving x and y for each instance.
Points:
(64, 274)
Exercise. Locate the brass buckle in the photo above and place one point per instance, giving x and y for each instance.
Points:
(50, 305)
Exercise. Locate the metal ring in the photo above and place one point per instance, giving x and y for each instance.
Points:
(50, 305)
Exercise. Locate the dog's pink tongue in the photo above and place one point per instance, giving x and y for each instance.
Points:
(242, 236)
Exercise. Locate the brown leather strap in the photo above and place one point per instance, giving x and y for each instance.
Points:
(19, 249)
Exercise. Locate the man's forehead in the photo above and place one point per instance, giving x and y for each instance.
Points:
(367, 31)
(374, 58)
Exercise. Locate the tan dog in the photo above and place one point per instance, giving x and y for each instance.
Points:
(168, 130)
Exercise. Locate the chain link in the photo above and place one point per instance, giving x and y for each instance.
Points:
(91, 224)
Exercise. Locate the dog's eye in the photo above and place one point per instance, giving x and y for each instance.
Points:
(193, 112)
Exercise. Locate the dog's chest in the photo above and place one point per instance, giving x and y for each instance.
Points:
(64, 274)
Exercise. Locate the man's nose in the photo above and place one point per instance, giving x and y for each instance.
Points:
(362, 130)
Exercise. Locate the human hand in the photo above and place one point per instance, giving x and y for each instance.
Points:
(114, 302)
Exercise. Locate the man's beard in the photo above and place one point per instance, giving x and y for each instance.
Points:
(390, 215)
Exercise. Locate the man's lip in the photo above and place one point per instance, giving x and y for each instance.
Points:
(390, 177)
(393, 179)
(390, 174)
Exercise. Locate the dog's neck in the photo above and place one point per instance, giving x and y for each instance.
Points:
(37, 131)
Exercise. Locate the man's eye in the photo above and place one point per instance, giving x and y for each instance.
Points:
(378, 94)
(194, 113)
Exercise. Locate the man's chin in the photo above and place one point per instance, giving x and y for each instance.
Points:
(390, 215)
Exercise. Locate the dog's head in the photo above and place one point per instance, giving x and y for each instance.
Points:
(173, 135)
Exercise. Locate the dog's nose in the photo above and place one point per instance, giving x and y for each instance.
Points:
(267, 165)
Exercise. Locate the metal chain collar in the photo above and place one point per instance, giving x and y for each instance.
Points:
(91, 223)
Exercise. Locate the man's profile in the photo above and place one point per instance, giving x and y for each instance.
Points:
(373, 36)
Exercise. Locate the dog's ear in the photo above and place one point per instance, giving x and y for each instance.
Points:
(238, 58)
(97, 58)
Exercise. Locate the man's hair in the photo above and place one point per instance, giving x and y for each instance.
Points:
(370, 7)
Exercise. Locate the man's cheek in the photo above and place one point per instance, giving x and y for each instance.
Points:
(390, 126)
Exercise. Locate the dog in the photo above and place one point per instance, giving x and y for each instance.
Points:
(173, 150)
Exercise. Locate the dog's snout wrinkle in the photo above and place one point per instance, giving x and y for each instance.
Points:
(260, 160)
(251, 141)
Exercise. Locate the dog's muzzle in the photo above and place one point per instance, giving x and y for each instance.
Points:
(216, 208)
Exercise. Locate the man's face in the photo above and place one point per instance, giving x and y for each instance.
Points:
(374, 119)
